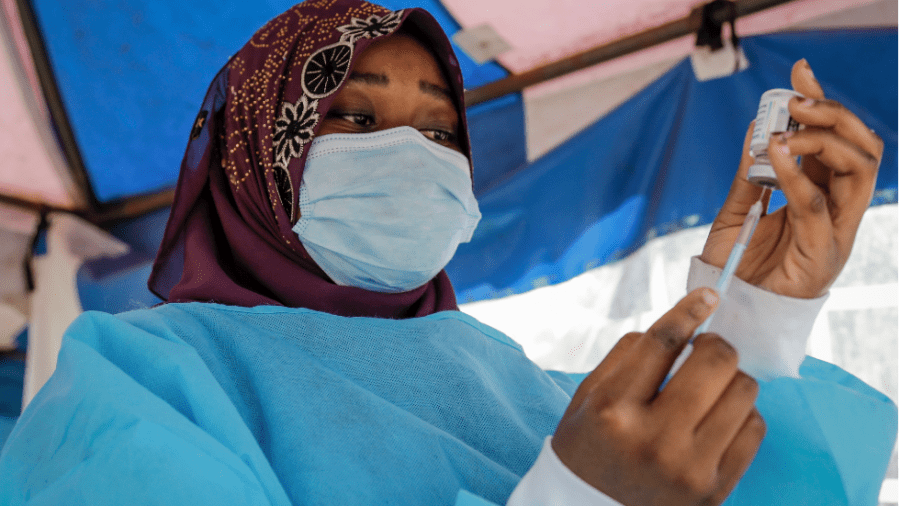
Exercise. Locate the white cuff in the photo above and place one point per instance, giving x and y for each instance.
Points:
(550, 483)
(769, 331)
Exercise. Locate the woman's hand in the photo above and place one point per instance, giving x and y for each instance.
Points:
(688, 444)
(800, 249)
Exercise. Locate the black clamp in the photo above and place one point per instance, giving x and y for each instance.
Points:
(39, 234)
(712, 19)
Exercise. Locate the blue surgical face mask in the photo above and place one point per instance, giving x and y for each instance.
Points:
(384, 211)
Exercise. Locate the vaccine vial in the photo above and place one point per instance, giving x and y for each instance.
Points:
(772, 117)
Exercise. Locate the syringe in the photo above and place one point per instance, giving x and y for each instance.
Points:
(737, 252)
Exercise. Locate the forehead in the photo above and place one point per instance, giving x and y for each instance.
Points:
(402, 56)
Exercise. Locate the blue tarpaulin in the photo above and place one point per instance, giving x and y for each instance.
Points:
(132, 76)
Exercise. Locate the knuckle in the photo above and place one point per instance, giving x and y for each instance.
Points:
(872, 161)
(746, 385)
(670, 335)
(698, 482)
(818, 203)
(617, 421)
(697, 311)
(756, 424)
(718, 351)
(629, 338)
(834, 105)
(754, 430)
(868, 159)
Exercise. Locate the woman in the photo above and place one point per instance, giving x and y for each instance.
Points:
(312, 353)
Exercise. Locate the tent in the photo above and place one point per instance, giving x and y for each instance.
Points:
(599, 158)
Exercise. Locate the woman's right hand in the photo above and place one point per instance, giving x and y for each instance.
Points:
(687, 444)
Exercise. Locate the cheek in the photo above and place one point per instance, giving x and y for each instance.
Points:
(327, 127)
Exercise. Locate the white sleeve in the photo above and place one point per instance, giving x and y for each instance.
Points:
(550, 483)
(769, 331)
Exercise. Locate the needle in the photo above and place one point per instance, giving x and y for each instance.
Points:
(737, 252)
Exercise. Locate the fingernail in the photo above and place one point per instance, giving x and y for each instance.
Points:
(808, 102)
(785, 149)
(710, 297)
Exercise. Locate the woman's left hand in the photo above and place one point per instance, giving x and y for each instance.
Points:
(799, 250)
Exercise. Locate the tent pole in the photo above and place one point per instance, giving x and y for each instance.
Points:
(621, 47)
(130, 207)
(31, 205)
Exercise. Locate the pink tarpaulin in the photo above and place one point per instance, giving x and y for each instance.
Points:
(31, 166)
(541, 31)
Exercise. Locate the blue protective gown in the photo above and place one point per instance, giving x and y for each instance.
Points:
(196, 404)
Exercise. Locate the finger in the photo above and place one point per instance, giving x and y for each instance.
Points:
(739, 455)
(698, 384)
(815, 170)
(715, 433)
(807, 206)
(743, 194)
(829, 114)
(609, 364)
(650, 357)
(852, 171)
(804, 81)
(816, 111)
(618, 351)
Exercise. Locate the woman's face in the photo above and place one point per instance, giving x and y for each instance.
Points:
(395, 82)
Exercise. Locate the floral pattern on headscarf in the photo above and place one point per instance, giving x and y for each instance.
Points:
(374, 26)
(324, 71)
(293, 129)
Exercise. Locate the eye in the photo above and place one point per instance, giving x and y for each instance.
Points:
(440, 136)
(359, 119)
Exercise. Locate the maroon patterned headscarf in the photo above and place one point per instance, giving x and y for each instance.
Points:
(229, 239)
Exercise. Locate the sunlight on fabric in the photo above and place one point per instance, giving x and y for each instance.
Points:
(888, 493)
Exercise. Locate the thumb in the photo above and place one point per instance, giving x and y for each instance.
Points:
(743, 194)
(804, 81)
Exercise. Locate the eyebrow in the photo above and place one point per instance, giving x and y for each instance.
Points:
(382, 80)
(365, 77)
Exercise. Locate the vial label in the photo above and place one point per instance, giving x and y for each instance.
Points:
(772, 116)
